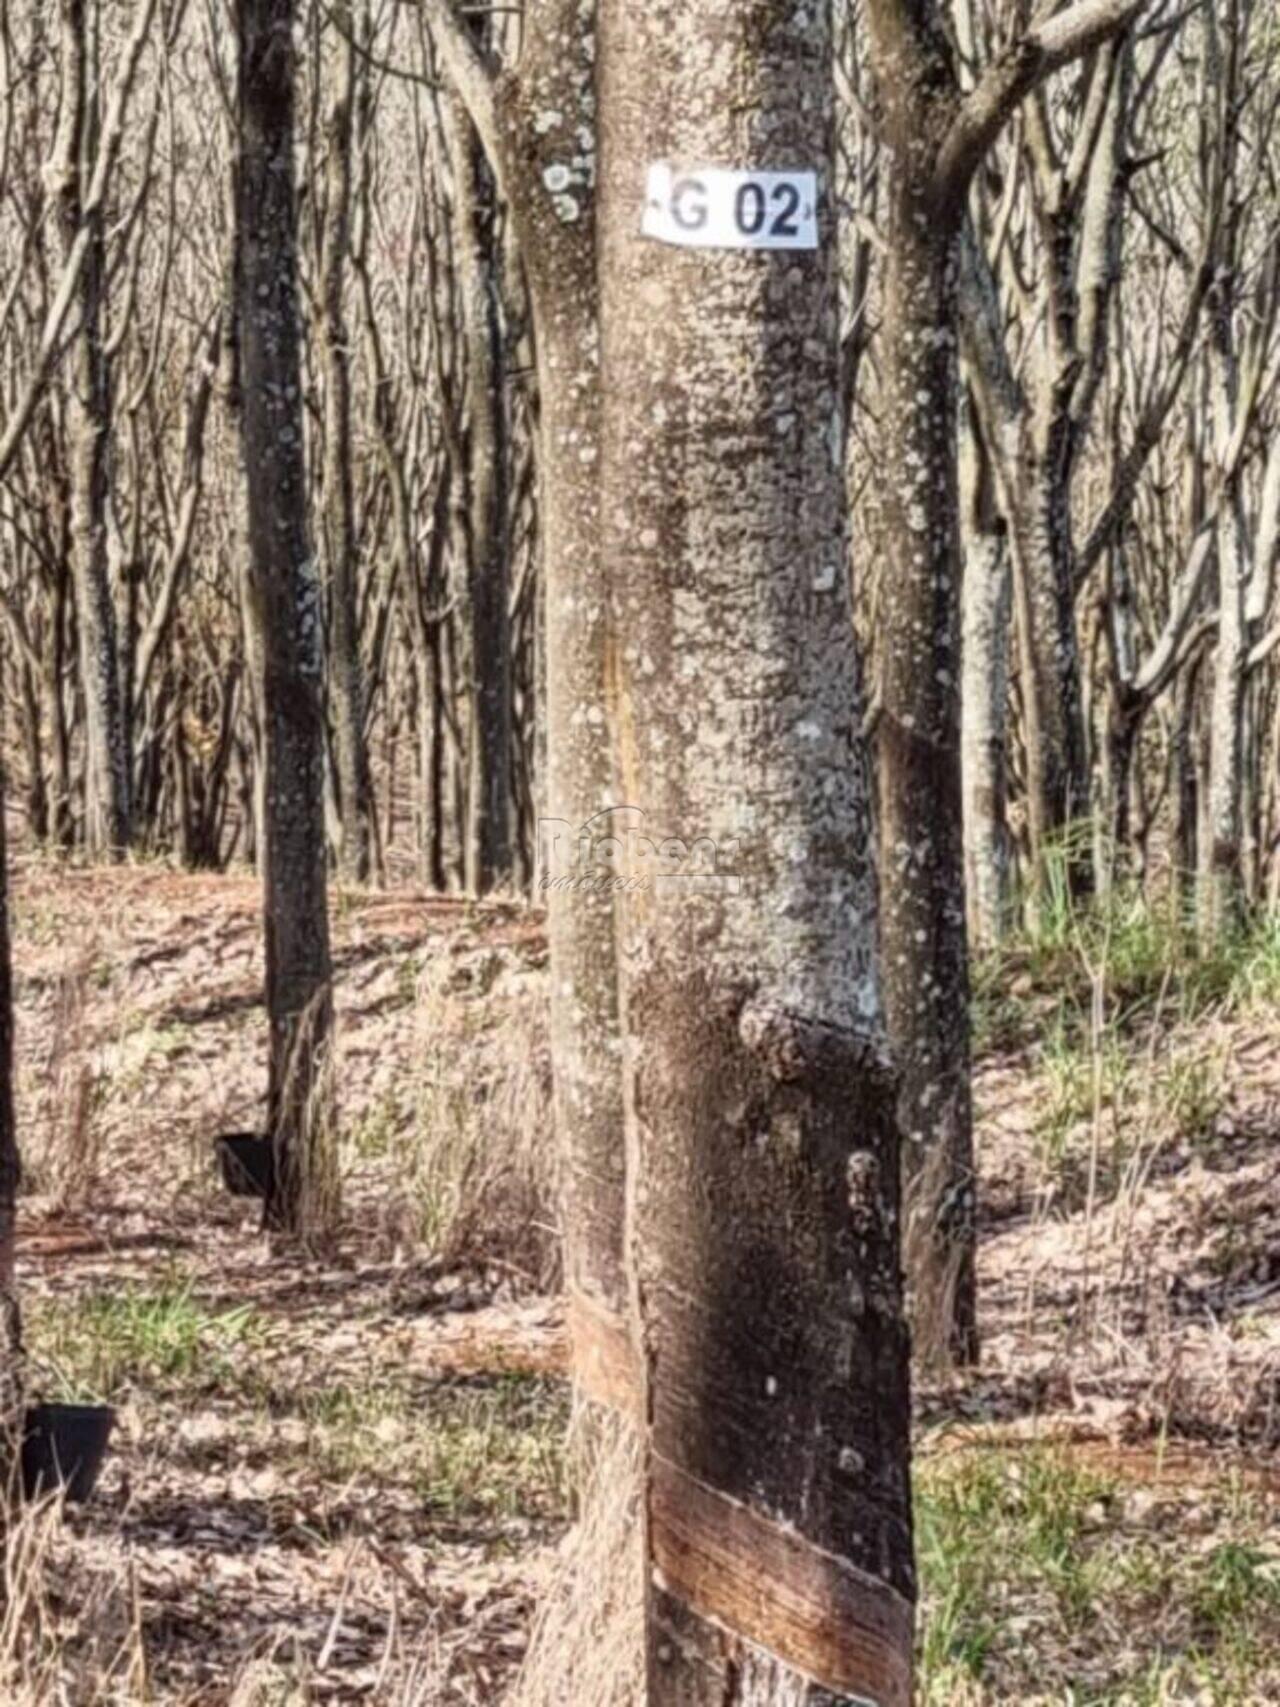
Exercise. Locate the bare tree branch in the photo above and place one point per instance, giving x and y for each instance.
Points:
(1165, 656)
(470, 72)
(108, 149)
(1049, 43)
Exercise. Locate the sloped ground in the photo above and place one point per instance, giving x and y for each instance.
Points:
(340, 1478)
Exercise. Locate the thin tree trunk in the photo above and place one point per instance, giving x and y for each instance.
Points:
(924, 950)
(1221, 880)
(486, 648)
(1049, 660)
(107, 762)
(936, 138)
(10, 1171)
(346, 681)
(37, 787)
(531, 123)
(284, 610)
(579, 787)
(987, 608)
(1186, 814)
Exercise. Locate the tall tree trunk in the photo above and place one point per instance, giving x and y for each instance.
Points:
(10, 1170)
(772, 1389)
(486, 647)
(56, 711)
(1077, 197)
(984, 698)
(346, 682)
(37, 786)
(1049, 653)
(558, 237)
(1079, 219)
(284, 610)
(107, 761)
(1186, 777)
(924, 950)
(532, 123)
(936, 139)
(1221, 873)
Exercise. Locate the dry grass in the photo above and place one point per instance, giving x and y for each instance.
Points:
(477, 1165)
(70, 1161)
(70, 1633)
(588, 1641)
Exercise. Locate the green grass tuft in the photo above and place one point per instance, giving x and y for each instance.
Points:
(108, 1342)
(1034, 1573)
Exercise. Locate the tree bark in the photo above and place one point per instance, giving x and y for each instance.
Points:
(284, 608)
(10, 1174)
(1221, 871)
(486, 636)
(1049, 656)
(346, 679)
(760, 1124)
(984, 699)
(107, 759)
(936, 138)
(537, 125)
(924, 949)
(923, 941)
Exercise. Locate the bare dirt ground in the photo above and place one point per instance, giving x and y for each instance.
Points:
(340, 1478)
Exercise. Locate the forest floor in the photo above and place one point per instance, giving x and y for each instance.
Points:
(341, 1478)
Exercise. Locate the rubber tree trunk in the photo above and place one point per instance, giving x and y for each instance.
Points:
(935, 140)
(283, 608)
(1185, 785)
(485, 652)
(107, 760)
(10, 1170)
(55, 653)
(537, 126)
(37, 788)
(1123, 724)
(543, 114)
(763, 1190)
(346, 679)
(1081, 235)
(1221, 875)
(987, 609)
(924, 948)
(1049, 653)
(1078, 201)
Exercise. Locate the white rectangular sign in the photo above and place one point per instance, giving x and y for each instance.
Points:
(713, 208)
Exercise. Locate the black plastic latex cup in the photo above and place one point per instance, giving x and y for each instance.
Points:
(247, 1163)
(63, 1447)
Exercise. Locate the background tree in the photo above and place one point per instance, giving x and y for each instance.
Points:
(338, 529)
(284, 606)
(10, 1165)
(537, 124)
(936, 138)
